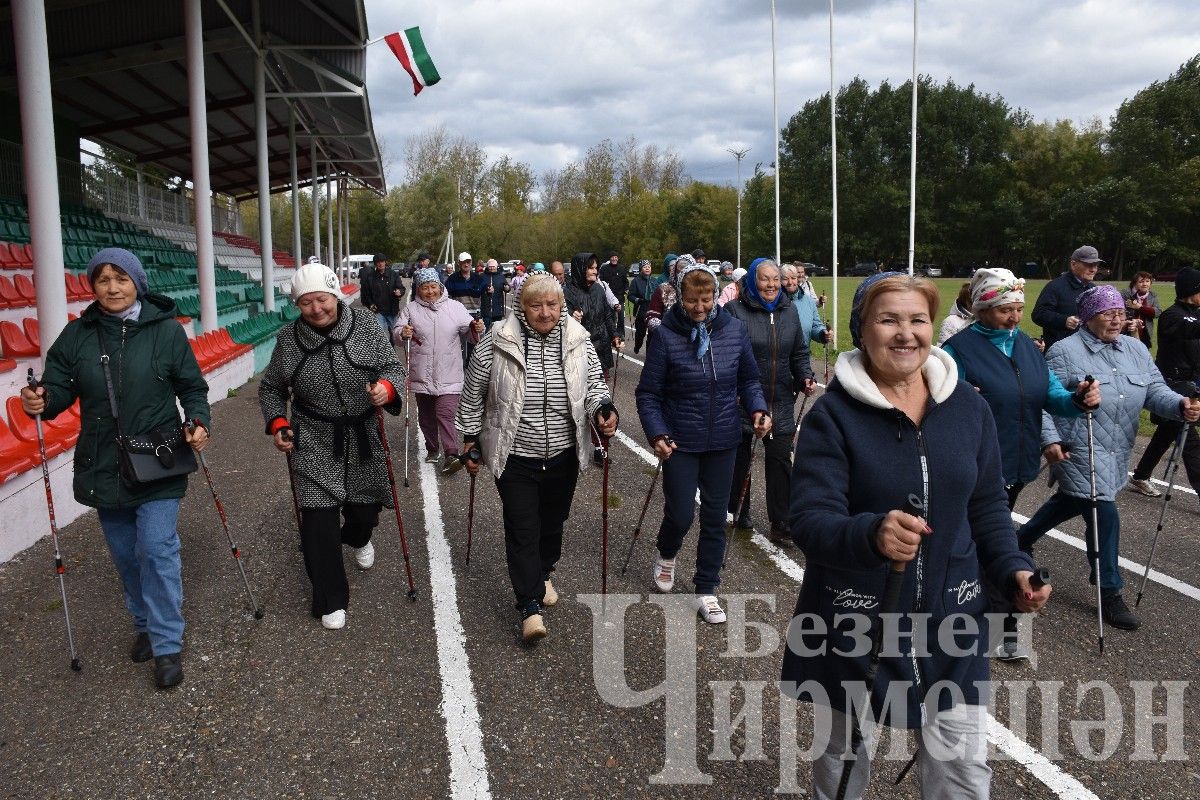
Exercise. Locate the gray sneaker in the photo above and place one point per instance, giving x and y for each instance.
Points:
(433, 457)
(451, 464)
(1143, 488)
(1010, 650)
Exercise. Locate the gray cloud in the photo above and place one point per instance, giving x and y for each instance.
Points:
(544, 80)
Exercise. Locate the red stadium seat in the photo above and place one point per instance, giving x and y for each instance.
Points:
(32, 332)
(26, 288)
(8, 259)
(25, 429)
(65, 427)
(14, 451)
(9, 296)
(7, 365)
(23, 253)
(13, 342)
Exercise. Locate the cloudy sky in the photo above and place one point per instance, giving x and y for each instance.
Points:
(542, 80)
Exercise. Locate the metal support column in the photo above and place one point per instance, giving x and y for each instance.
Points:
(41, 170)
(329, 262)
(264, 182)
(206, 277)
(295, 176)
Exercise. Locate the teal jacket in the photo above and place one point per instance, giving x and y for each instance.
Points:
(152, 364)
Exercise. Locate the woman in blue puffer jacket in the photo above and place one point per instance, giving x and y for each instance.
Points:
(698, 368)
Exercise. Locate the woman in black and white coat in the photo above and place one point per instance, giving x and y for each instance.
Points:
(533, 391)
(335, 365)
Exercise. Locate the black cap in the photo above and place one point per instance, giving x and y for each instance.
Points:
(698, 253)
(423, 256)
(1187, 282)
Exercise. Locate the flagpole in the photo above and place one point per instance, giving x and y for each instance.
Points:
(833, 160)
(912, 188)
(775, 107)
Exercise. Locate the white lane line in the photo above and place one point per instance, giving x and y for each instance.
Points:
(1042, 768)
(1185, 589)
(464, 733)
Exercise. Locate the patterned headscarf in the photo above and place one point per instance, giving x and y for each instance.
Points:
(426, 275)
(996, 287)
(860, 294)
(1097, 300)
(699, 333)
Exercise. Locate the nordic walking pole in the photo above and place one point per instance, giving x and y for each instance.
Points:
(826, 349)
(642, 516)
(796, 435)
(233, 548)
(407, 403)
(603, 514)
(474, 456)
(1088, 379)
(890, 605)
(59, 567)
(1169, 477)
(289, 435)
(391, 473)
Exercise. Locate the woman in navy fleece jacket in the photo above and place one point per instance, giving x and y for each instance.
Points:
(899, 462)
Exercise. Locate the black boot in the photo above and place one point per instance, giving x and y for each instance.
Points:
(168, 670)
(1117, 614)
(780, 536)
(141, 649)
(743, 521)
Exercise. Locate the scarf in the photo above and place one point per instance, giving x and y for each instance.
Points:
(750, 284)
(128, 315)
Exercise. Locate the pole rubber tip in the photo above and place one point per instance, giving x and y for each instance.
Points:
(412, 595)
(76, 665)
(258, 613)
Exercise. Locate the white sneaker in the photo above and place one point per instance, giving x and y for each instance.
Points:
(1143, 488)
(728, 517)
(335, 620)
(664, 574)
(433, 457)
(709, 609)
(364, 556)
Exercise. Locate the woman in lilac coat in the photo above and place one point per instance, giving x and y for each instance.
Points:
(434, 323)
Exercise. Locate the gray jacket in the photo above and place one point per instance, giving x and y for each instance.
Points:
(1129, 382)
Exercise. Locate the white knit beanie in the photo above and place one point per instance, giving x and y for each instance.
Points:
(314, 278)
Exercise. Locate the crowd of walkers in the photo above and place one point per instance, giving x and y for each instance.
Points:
(898, 489)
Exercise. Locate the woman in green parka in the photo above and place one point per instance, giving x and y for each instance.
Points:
(152, 365)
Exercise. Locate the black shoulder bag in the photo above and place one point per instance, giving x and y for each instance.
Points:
(147, 457)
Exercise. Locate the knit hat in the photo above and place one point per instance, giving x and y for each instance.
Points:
(123, 260)
(1097, 300)
(1187, 282)
(426, 275)
(314, 278)
(739, 273)
(423, 256)
(996, 287)
(539, 267)
(492, 263)
(860, 295)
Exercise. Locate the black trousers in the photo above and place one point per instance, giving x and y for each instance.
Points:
(639, 331)
(536, 496)
(323, 531)
(1162, 441)
(777, 468)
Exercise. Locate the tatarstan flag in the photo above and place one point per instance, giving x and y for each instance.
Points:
(410, 49)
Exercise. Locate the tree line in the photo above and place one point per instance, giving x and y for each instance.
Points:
(993, 186)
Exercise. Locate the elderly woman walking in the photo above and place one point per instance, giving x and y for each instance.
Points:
(335, 366)
(149, 365)
(533, 392)
(1129, 381)
(434, 323)
(781, 353)
(898, 471)
(700, 367)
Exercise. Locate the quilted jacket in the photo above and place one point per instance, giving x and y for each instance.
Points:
(1129, 381)
(695, 401)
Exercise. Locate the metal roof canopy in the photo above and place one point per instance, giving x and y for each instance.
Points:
(118, 71)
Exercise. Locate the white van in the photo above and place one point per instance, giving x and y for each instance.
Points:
(351, 265)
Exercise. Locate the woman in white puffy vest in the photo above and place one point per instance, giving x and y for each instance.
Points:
(533, 390)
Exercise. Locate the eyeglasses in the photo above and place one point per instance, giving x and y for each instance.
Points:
(1110, 316)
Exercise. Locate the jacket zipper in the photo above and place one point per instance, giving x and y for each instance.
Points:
(545, 406)
(774, 364)
(1020, 415)
(919, 605)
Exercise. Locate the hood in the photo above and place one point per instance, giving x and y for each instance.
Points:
(577, 275)
(941, 373)
(155, 308)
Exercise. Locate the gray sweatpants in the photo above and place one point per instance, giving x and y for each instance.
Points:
(952, 763)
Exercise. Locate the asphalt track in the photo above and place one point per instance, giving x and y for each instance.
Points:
(438, 698)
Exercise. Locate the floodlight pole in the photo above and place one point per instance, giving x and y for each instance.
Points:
(739, 155)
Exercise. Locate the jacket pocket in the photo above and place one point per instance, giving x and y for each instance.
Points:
(962, 592)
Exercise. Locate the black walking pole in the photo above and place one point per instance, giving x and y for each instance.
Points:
(1095, 523)
(603, 514)
(59, 568)
(288, 435)
(826, 349)
(474, 456)
(642, 516)
(391, 474)
(1169, 477)
(233, 548)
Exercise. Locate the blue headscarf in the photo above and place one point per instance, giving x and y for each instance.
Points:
(750, 283)
(860, 294)
(699, 331)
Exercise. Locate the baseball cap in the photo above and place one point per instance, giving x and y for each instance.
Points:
(464, 256)
(1087, 254)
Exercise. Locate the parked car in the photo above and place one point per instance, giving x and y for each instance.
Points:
(510, 267)
(815, 270)
(863, 269)
(927, 270)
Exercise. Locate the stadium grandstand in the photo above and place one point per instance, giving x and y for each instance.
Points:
(237, 100)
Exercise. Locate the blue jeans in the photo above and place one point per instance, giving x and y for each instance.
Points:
(682, 474)
(1062, 507)
(145, 550)
(387, 322)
